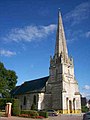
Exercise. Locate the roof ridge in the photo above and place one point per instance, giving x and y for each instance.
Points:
(36, 79)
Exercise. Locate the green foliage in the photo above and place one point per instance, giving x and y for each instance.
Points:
(8, 80)
(15, 107)
(31, 113)
(85, 109)
(43, 113)
(33, 107)
(3, 102)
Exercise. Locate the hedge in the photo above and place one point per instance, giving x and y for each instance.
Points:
(43, 113)
(85, 109)
(15, 107)
(31, 113)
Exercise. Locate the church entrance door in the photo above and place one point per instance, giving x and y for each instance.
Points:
(70, 106)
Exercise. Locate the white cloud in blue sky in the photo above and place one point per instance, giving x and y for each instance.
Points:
(88, 34)
(86, 87)
(30, 33)
(74, 18)
(79, 13)
(86, 91)
(7, 53)
(75, 35)
(85, 94)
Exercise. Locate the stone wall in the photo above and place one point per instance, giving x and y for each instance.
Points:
(29, 100)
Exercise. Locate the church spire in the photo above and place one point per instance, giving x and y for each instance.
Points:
(61, 47)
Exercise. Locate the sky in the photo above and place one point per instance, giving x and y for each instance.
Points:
(28, 35)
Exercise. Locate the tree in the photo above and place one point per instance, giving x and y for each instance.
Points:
(8, 80)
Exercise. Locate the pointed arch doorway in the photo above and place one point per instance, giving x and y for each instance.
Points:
(70, 106)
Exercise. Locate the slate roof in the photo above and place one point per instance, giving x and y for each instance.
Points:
(14, 90)
(31, 86)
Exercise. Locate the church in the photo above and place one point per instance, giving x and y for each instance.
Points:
(57, 91)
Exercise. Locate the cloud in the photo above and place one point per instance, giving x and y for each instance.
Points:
(87, 34)
(7, 53)
(73, 36)
(83, 94)
(86, 91)
(80, 13)
(30, 33)
(87, 95)
(76, 16)
(76, 35)
(86, 87)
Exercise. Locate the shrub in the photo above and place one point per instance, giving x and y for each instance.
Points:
(15, 107)
(3, 102)
(25, 112)
(33, 107)
(31, 113)
(85, 109)
(43, 113)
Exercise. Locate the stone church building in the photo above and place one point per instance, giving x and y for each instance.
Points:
(57, 91)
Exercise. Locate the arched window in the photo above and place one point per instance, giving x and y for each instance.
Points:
(67, 104)
(21, 107)
(24, 101)
(74, 105)
(56, 74)
(70, 106)
(34, 99)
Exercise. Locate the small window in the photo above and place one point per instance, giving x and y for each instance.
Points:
(56, 75)
(21, 107)
(34, 99)
(24, 102)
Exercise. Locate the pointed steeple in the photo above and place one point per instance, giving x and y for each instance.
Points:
(61, 47)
